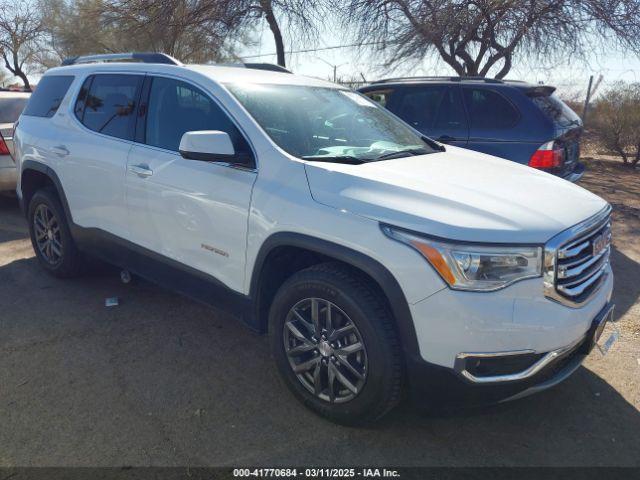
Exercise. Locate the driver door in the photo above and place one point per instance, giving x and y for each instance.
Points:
(193, 212)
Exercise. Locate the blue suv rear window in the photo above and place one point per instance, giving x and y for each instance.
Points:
(48, 95)
(558, 111)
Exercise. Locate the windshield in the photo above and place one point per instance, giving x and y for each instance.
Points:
(11, 108)
(318, 123)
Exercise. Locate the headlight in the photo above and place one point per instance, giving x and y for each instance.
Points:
(474, 267)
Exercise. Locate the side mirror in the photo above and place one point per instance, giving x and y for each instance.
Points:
(210, 146)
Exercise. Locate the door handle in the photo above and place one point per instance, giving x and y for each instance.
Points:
(60, 150)
(445, 138)
(142, 171)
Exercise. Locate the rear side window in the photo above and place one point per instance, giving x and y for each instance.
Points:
(176, 107)
(107, 104)
(488, 110)
(380, 96)
(556, 110)
(11, 108)
(46, 99)
(419, 106)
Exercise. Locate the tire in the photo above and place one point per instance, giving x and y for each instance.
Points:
(352, 299)
(61, 257)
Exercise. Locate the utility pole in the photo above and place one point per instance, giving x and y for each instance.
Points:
(333, 66)
(586, 101)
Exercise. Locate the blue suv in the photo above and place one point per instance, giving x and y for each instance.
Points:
(519, 121)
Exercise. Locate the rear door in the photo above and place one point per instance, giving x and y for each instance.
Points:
(434, 110)
(93, 153)
(496, 126)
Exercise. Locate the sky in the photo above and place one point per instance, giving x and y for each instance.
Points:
(570, 77)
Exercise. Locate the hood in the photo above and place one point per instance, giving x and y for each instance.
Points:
(458, 194)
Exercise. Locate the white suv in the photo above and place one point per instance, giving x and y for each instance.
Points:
(377, 260)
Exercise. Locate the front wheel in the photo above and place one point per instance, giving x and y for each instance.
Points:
(335, 344)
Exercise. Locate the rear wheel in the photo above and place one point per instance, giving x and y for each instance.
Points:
(335, 345)
(50, 235)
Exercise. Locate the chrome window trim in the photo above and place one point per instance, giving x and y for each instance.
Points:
(571, 235)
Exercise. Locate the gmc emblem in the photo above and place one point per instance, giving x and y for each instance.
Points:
(599, 243)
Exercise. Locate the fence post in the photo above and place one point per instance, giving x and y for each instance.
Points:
(586, 102)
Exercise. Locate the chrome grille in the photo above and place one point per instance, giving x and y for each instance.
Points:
(576, 260)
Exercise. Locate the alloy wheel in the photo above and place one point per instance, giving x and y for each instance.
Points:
(325, 350)
(48, 236)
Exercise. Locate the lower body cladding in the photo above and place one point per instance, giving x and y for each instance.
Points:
(7, 174)
(479, 348)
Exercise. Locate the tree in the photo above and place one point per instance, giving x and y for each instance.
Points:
(191, 30)
(302, 18)
(20, 30)
(478, 37)
(175, 27)
(616, 121)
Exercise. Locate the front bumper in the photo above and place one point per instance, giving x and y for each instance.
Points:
(434, 386)
(511, 322)
(516, 318)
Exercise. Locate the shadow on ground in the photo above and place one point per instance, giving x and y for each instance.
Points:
(627, 281)
(160, 380)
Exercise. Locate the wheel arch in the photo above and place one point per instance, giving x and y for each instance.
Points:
(34, 176)
(294, 247)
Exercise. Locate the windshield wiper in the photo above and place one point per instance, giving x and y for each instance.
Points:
(347, 159)
(438, 147)
(403, 153)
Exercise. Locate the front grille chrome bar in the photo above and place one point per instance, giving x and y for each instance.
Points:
(574, 267)
(580, 287)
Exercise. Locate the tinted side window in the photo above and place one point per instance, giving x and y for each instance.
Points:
(46, 99)
(176, 107)
(451, 116)
(419, 106)
(107, 104)
(489, 110)
(380, 96)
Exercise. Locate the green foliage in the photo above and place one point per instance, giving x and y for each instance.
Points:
(616, 121)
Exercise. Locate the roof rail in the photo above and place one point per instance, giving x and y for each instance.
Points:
(267, 66)
(451, 79)
(257, 66)
(145, 57)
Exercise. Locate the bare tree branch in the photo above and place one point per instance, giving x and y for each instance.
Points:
(20, 31)
(478, 37)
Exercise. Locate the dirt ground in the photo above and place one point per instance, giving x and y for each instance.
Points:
(160, 380)
(620, 185)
